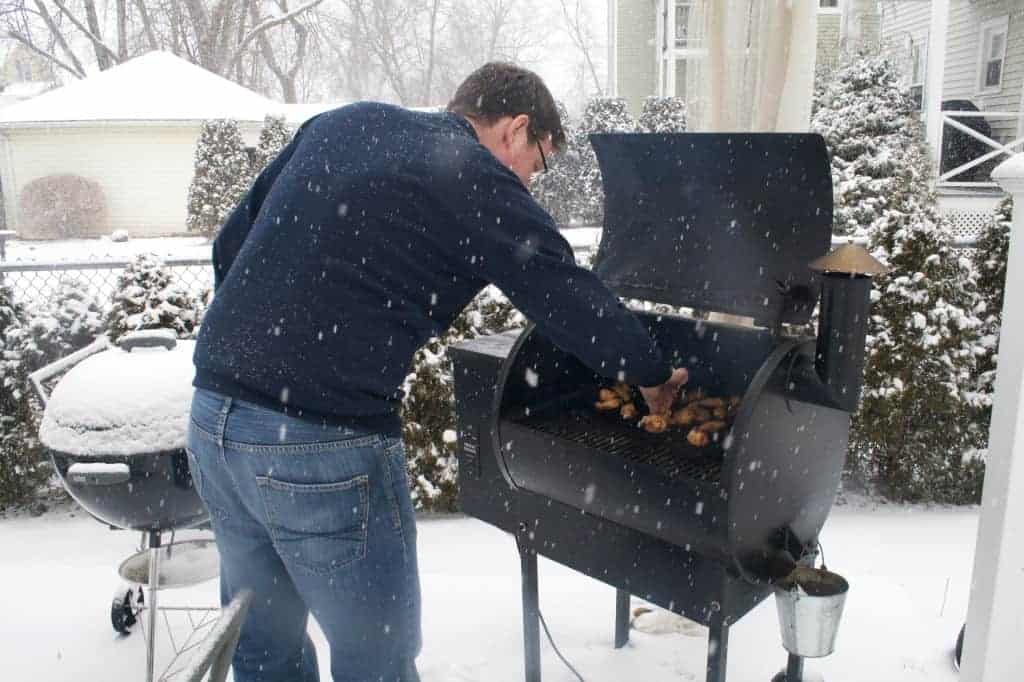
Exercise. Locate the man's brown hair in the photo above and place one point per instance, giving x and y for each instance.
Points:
(497, 90)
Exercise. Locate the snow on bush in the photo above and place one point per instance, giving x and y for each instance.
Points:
(428, 411)
(149, 296)
(571, 191)
(920, 411)
(69, 319)
(22, 468)
(663, 115)
(989, 258)
(223, 173)
(62, 206)
(274, 136)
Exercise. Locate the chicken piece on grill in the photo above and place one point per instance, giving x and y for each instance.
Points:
(689, 415)
(697, 438)
(720, 413)
(712, 426)
(628, 411)
(654, 423)
(606, 394)
(712, 403)
(608, 405)
(624, 392)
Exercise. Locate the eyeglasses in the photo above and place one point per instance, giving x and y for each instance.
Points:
(543, 159)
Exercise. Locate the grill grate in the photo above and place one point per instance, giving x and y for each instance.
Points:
(668, 453)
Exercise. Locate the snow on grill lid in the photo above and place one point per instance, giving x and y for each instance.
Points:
(121, 403)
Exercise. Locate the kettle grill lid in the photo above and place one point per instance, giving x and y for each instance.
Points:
(724, 222)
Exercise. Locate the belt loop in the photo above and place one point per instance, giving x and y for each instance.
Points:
(222, 421)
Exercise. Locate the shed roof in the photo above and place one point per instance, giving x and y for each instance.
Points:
(157, 86)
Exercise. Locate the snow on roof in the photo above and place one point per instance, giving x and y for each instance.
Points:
(154, 87)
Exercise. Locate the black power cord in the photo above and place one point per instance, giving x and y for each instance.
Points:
(551, 640)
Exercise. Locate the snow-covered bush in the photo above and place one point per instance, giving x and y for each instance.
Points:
(149, 296)
(919, 416)
(62, 206)
(989, 257)
(571, 191)
(274, 136)
(663, 115)
(22, 468)
(221, 178)
(428, 411)
(70, 319)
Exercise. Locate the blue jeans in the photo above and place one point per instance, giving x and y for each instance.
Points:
(313, 519)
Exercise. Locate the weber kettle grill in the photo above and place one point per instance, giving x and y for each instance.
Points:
(114, 428)
(726, 223)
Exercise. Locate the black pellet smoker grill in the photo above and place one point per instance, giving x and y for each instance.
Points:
(735, 224)
(114, 427)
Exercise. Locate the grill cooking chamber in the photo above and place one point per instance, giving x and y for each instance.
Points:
(114, 428)
(707, 223)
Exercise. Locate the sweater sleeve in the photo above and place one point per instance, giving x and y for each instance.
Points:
(236, 228)
(507, 239)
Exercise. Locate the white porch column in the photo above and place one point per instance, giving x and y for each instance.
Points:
(995, 617)
(935, 77)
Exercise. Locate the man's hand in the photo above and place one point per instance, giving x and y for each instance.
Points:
(659, 398)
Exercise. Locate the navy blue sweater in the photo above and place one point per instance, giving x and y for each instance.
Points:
(368, 235)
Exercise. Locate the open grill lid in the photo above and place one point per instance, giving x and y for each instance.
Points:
(717, 222)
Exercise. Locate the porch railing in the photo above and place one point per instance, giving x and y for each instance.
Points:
(983, 163)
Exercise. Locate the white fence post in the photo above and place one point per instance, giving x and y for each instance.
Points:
(995, 617)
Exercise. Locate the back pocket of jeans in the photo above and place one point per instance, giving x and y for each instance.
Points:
(318, 527)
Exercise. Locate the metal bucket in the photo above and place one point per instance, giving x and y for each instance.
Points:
(810, 605)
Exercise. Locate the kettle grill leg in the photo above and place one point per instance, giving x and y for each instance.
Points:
(154, 586)
(718, 648)
(531, 614)
(621, 618)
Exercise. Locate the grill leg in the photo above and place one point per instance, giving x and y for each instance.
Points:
(718, 648)
(794, 671)
(154, 585)
(531, 614)
(621, 618)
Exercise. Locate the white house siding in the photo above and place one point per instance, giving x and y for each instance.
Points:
(961, 77)
(144, 171)
(903, 22)
(636, 54)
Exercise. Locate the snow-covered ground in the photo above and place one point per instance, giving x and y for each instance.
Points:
(909, 570)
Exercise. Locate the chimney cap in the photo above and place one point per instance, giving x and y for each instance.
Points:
(850, 259)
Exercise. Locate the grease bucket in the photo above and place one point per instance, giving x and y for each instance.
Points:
(810, 605)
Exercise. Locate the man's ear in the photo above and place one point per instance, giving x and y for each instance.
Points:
(519, 123)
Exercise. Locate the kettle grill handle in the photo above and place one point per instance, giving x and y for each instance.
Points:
(51, 370)
(148, 338)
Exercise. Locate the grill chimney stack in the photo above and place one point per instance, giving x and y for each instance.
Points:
(846, 275)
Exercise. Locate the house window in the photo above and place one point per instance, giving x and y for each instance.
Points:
(681, 25)
(687, 34)
(992, 42)
(828, 5)
(918, 67)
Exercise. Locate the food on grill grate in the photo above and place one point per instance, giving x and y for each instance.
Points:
(628, 411)
(698, 438)
(654, 423)
(689, 415)
(624, 391)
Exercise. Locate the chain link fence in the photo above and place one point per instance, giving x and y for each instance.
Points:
(34, 283)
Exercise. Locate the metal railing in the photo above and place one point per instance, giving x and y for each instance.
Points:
(998, 149)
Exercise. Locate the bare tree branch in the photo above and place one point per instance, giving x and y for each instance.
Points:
(147, 24)
(577, 33)
(58, 38)
(24, 40)
(103, 52)
(268, 24)
(122, 30)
